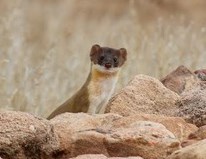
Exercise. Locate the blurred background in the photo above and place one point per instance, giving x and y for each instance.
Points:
(45, 44)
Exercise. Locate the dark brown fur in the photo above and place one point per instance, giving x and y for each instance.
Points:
(96, 51)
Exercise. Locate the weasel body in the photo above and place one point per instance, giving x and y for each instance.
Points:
(94, 94)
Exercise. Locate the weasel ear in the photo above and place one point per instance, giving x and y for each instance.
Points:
(123, 53)
(95, 48)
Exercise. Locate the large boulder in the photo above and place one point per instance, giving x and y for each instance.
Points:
(25, 136)
(144, 94)
(104, 134)
(100, 156)
(179, 80)
(194, 151)
(193, 105)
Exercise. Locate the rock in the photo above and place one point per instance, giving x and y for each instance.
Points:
(200, 134)
(70, 125)
(142, 138)
(99, 156)
(178, 126)
(194, 151)
(104, 134)
(144, 94)
(188, 142)
(25, 136)
(67, 125)
(195, 136)
(179, 80)
(193, 105)
(201, 74)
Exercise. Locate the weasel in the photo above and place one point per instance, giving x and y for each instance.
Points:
(93, 96)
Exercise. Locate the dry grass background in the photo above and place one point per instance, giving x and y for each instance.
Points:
(44, 44)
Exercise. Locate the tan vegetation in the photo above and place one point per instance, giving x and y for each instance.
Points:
(44, 45)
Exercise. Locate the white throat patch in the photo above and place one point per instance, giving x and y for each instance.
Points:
(105, 70)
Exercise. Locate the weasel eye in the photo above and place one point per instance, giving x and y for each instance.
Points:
(100, 60)
(115, 60)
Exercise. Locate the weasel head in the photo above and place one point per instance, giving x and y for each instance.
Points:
(107, 60)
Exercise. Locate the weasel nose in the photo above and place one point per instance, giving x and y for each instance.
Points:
(108, 65)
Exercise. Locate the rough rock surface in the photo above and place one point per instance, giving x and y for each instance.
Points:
(97, 156)
(143, 138)
(179, 80)
(178, 126)
(193, 105)
(144, 94)
(104, 134)
(25, 136)
(194, 151)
